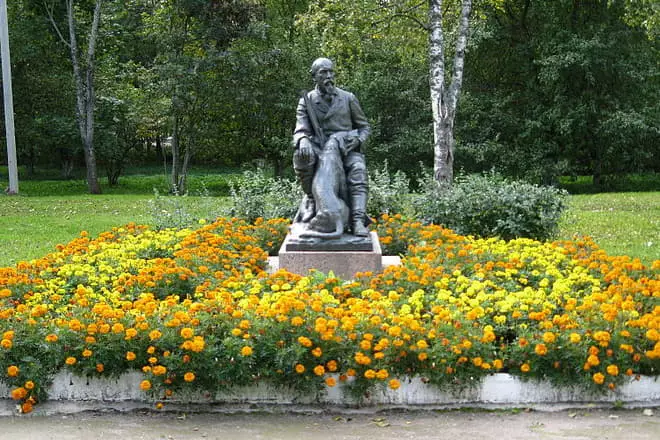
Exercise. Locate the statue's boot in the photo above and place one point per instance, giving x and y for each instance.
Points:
(358, 214)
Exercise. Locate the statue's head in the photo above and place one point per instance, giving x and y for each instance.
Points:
(323, 74)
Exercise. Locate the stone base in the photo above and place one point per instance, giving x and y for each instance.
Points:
(344, 264)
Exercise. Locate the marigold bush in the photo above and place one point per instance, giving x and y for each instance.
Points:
(196, 310)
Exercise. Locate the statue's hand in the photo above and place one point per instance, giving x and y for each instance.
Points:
(305, 148)
(350, 144)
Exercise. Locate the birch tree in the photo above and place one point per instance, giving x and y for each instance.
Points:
(444, 97)
(83, 74)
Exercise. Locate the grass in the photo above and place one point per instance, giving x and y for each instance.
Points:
(620, 223)
(31, 227)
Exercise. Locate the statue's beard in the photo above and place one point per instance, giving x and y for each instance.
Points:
(328, 87)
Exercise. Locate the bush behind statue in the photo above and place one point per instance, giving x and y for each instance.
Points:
(491, 206)
(480, 205)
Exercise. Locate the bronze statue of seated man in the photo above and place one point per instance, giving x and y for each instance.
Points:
(329, 138)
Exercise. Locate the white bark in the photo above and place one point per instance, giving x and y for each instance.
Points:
(444, 99)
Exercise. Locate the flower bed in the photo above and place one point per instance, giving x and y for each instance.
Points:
(195, 310)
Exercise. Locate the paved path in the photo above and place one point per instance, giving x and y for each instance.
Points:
(580, 424)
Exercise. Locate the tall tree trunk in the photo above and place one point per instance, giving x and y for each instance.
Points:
(444, 99)
(174, 177)
(85, 94)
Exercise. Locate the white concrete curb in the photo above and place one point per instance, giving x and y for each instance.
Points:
(70, 393)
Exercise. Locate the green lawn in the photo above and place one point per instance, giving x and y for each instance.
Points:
(621, 223)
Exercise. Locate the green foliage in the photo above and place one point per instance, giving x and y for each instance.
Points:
(257, 195)
(489, 206)
(389, 193)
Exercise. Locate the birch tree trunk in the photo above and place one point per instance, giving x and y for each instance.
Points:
(443, 98)
(85, 94)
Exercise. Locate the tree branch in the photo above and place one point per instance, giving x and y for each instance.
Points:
(51, 18)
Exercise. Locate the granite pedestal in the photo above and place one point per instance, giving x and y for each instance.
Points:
(343, 263)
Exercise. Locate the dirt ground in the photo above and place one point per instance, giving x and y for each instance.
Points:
(580, 424)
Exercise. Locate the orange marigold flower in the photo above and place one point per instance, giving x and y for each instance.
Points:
(145, 385)
(189, 376)
(300, 368)
(130, 356)
(26, 407)
(100, 368)
(422, 356)
(332, 365)
(29, 385)
(394, 384)
(130, 333)
(19, 393)
(382, 374)
(599, 378)
(87, 353)
(246, 351)
(71, 360)
(525, 368)
(297, 321)
(498, 364)
(319, 370)
(574, 338)
(370, 374)
(12, 371)
(155, 334)
(51, 338)
(593, 360)
(541, 349)
(330, 381)
(6, 344)
(317, 352)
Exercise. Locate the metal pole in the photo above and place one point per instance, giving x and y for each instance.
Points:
(8, 99)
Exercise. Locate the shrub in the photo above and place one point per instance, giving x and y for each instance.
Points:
(256, 195)
(490, 206)
(388, 193)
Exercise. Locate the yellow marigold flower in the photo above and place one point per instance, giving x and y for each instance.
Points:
(319, 370)
(51, 337)
(498, 364)
(525, 368)
(394, 384)
(317, 352)
(598, 378)
(130, 333)
(6, 344)
(71, 360)
(189, 376)
(593, 360)
(422, 344)
(477, 361)
(244, 324)
(87, 353)
(155, 334)
(297, 321)
(300, 368)
(118, 328)
(304, 341)
(541, 349)
(365, 345)
(187, 333)
(612, 370)
(29, 385)
(12, 371)
(130, 356)
(575, 338)
(236, 332)
(382, 374)
(145, 385)
(152, 360)
(159, 370)
(246, 351)
(549, 337)
(370, 374)
(330, 381)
